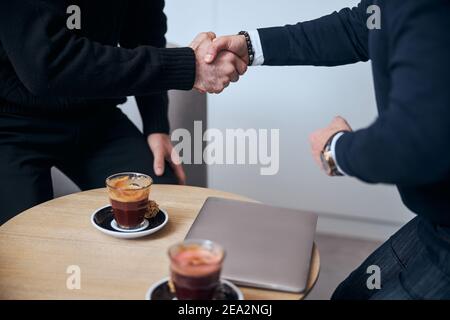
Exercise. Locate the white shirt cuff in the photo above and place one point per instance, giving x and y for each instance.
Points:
(333, 151)
(257, 46)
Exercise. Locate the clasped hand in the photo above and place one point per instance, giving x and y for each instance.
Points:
(219, 61)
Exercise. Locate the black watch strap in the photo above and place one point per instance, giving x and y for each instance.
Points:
(251, 51)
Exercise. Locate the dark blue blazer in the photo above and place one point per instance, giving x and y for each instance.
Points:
(409, 144)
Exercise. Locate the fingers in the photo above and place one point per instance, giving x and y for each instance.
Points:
(338, 120)
(201, 90)
(201, 37)
(215, 77)
(340, 124)
(175, 163)
(241, 66)
(163, 151)
(228, 75)
(234, 44)
(210, 35)
(218, 45)
(238, 64)
(159, 161)
(196, 42)
(235, 77)
(179, 173)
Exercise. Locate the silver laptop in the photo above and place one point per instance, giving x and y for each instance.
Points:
(266, 247)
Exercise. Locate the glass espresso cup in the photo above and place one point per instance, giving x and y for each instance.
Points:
(195, 269)
(129, 195)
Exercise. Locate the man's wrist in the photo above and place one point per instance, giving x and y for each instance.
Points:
(334, 141)
(257, 47)
(250, 50)
(172, 61)
(328, 156)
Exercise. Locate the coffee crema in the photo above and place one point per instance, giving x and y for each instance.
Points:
(129, 189)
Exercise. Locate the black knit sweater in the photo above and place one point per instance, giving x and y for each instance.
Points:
(45, 68)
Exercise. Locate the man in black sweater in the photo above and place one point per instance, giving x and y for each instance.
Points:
(407, 145)
(59, 89)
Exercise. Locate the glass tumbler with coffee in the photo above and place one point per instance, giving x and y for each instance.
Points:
(195, 267)
(129, 195)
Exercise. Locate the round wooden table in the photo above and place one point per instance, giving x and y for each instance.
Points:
(38, 246)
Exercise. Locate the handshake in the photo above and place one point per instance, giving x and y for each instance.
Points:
(219, 61)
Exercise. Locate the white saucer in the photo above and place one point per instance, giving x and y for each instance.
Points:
(102, 220)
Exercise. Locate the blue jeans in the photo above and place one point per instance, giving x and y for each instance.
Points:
(414, 264)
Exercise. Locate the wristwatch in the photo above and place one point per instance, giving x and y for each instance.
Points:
(328, 162)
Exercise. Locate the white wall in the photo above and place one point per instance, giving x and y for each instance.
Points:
(297, 100)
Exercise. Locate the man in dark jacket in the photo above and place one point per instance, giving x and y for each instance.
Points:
(407, 145)
(59, 89)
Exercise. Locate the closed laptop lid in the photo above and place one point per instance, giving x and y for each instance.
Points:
(266, 247)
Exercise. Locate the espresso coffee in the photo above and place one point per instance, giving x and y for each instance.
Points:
(129, 196)
(195, 272)
(129, 214)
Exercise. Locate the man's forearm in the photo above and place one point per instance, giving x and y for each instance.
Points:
(408, 144)
(51, 60)
(154, 113)
(394, 150)
(333, 151)
(337, 39)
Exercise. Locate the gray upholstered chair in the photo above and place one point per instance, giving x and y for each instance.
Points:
(185, 108)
